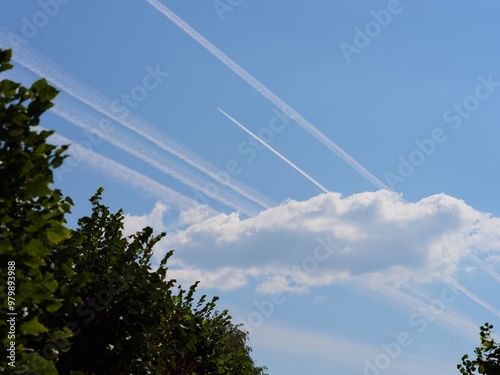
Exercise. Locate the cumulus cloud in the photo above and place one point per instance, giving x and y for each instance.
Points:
(133, 224)
(330, 238)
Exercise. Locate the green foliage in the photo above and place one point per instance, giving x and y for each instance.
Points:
(32, 224)
(132, 322)
(89, 301)
(200, 340)
(487, 359)
(123, 301)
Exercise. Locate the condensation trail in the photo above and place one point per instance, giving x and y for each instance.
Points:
(273, 98)
(453, 320)
(127, 175)
(276, 153)
(269, 95)
(52, 72)
(490, 271)
(89, 122)
(476, 299)
(140, 150)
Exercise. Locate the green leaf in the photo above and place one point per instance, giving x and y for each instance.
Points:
(5, 56)
(54, 306)
(37, 187)
(42, 365)
(33, 327)
(49, 282)
(34, 262)
(57, 234)
(16, 132)
(44, 90)
(35, 248)
(68, 271)
(5, 246)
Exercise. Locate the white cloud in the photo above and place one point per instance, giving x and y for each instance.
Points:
(222, 279)
(133, 224)
(194, 215)
(328, 238)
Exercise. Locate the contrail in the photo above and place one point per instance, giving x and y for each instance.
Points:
(127, 175)
(276, 153)
(56, 75)
(476, 299)
(140, 150)
(87, 121)
(269, 95)
(490, 271)
(446, 317)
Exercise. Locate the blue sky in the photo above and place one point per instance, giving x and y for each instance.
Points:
(357, 281)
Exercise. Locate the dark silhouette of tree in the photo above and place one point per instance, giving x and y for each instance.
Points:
(32, 230)
(487, 359)
(89, 300)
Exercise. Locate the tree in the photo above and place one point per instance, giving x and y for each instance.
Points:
(132, 322)
(207, 343)
(487, 359)
(89, 300)
(33, 228)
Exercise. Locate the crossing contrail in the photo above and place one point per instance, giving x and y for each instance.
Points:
(276, 153)
(43, 67)
(140, 150)
(269, 95)
(129, 176)
(89, 121)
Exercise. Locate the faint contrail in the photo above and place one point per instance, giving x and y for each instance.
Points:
(56, 75)
(276, 153)
(490, 271)
(454, 320)
(152, 157)
(476, 299)
(268, 94)
(89, 121)
(127, 175)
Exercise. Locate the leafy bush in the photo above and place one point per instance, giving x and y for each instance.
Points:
(88, 301)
